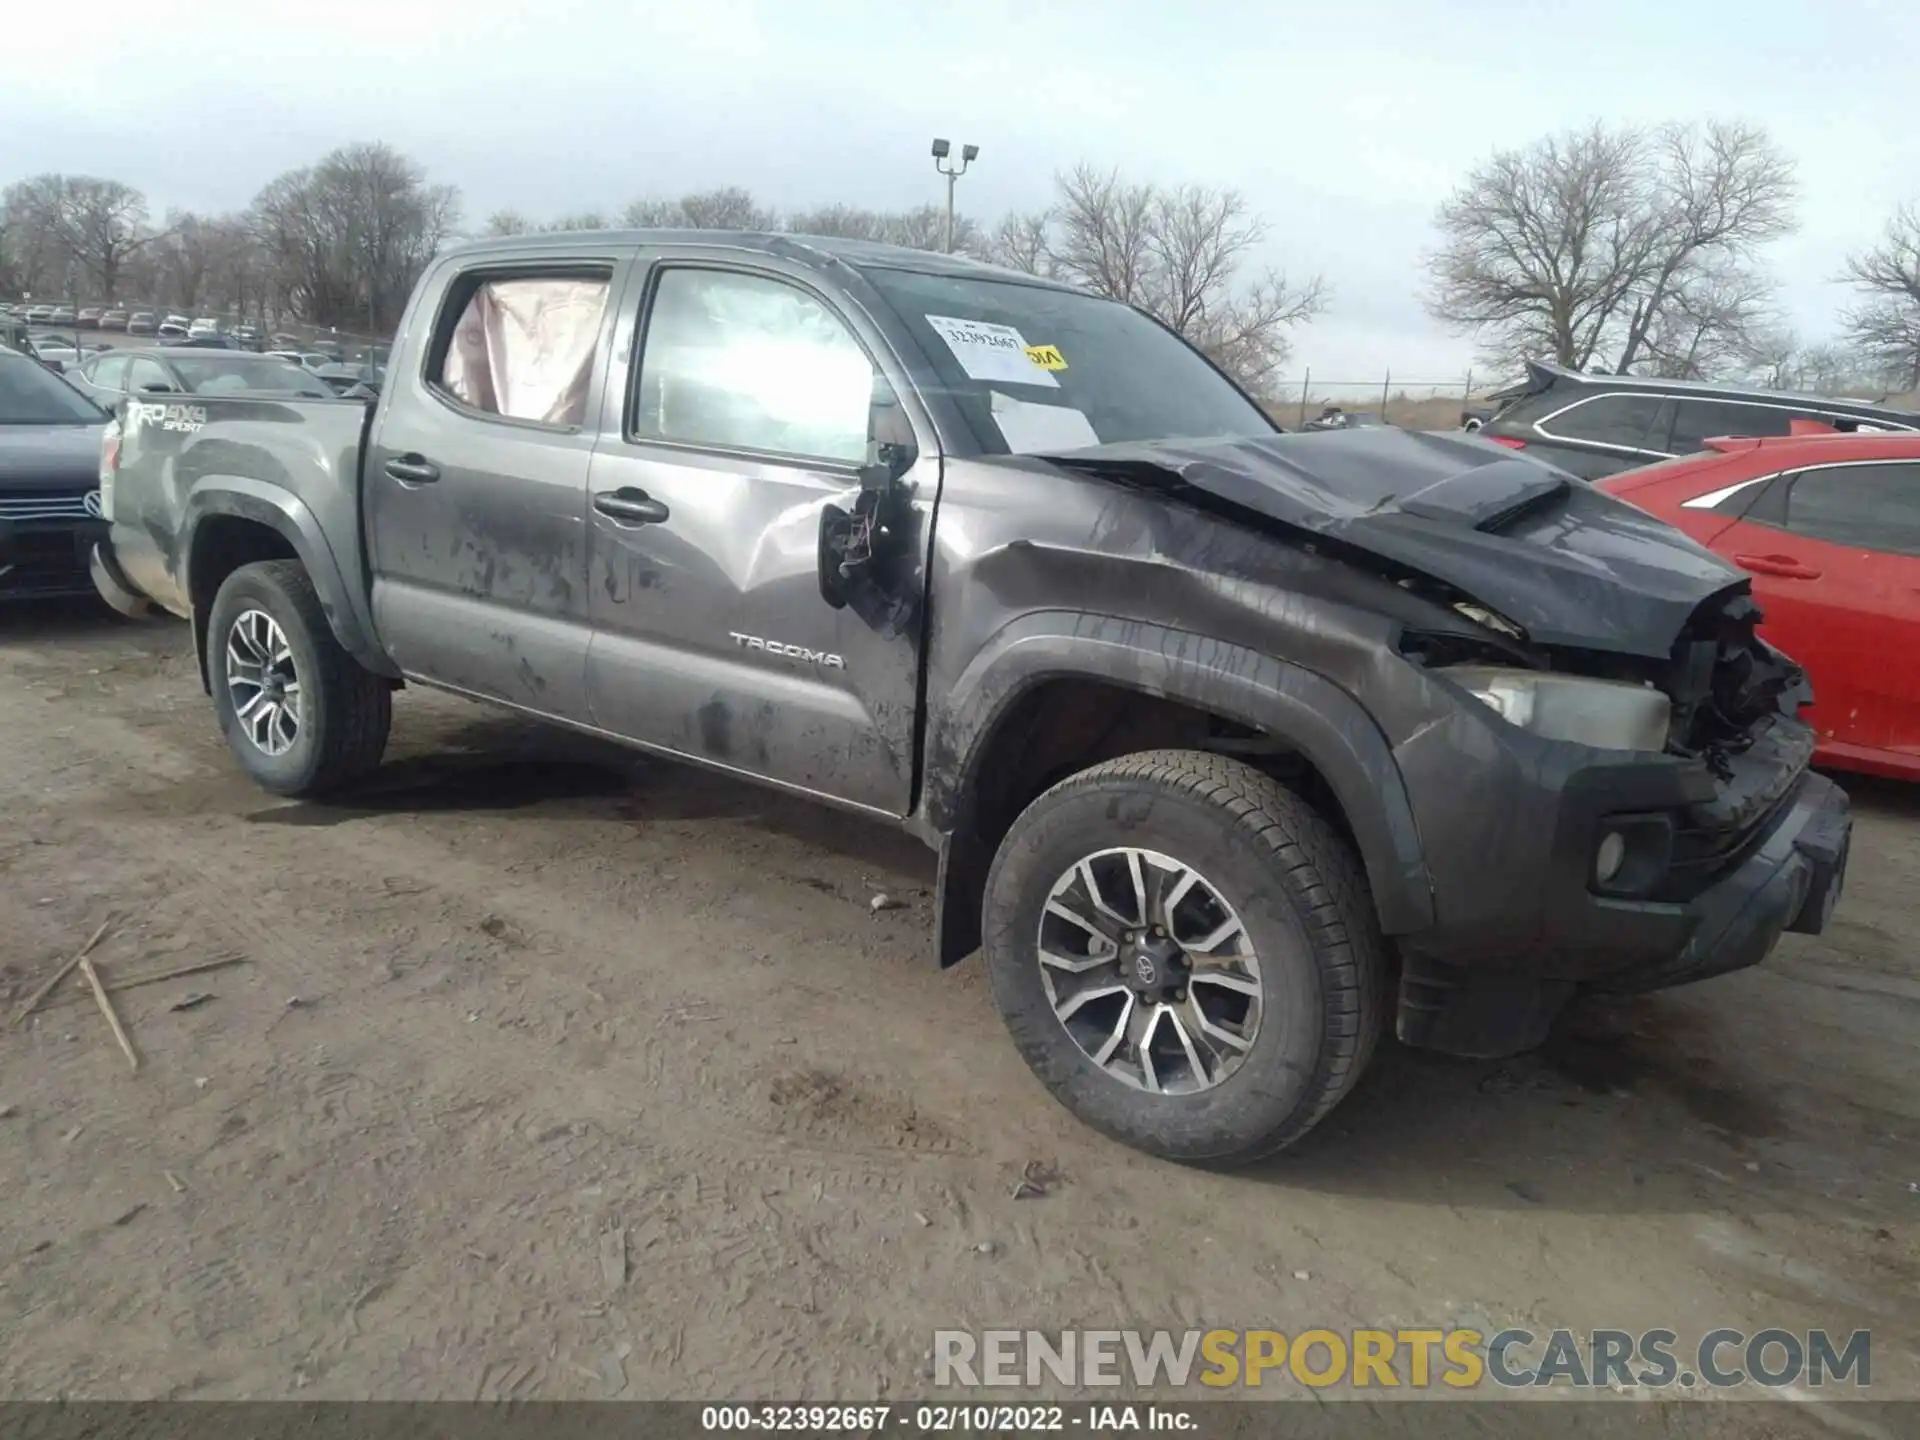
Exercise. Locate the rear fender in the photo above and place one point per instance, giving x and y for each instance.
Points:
(341, 597)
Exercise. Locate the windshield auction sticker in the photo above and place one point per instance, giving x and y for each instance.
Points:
(991, 352)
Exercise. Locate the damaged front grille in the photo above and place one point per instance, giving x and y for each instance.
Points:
(1728, 685)
(1735, 702)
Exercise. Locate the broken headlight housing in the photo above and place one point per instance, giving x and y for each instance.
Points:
(1606, 714)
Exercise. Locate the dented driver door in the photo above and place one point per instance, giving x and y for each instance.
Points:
(748, 404)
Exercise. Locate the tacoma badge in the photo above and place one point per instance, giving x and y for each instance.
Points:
(797, 652)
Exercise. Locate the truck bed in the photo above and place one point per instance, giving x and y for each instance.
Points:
(290, 464)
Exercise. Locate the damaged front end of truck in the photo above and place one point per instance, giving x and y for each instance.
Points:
(1606, 765)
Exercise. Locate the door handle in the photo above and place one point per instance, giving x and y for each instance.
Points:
(1785, 566)
(628, 506)
(412, 470)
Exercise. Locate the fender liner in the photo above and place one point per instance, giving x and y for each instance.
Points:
(342, 598)
(1304, 709)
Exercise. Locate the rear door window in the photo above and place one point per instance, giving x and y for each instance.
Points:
(1625, 422)
(1698, 421)
(1864, 507)
(519, 346)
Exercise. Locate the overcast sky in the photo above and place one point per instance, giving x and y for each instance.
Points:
(1344, 131)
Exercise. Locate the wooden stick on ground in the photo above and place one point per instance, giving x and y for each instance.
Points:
(33, 1000)
(177, 973)
(106, 1009)
(134, 982)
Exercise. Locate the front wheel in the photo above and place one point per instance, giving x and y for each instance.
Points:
(1186, 954)
(300, 714)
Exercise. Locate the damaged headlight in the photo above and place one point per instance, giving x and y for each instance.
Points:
(1607, 714)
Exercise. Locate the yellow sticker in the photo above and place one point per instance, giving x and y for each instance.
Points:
(1047, 357)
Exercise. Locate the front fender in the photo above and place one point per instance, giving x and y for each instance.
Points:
(341, 597)
(1318, 718)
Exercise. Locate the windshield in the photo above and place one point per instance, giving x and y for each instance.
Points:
(31, 394)
(215, 374)
(1037, 369)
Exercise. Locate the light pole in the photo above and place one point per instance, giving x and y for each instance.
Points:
(967, 155)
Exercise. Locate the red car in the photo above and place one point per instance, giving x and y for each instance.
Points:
(1828, 525)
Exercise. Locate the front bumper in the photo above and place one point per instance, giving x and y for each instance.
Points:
(1758, 853)
(41, 558)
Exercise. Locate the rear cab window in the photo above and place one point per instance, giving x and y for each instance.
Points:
(1034, 369)
(519, 342)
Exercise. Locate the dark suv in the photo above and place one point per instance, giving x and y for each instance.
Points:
(1598, 425)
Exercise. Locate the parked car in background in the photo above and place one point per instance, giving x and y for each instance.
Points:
(112, 375)
(140, 323)
(1201, 723)
(60, 355)
(61, 315)
(49, 481)
(169, 332)
(1596, 425)
(1828, 526)
(1335, 418)
(39, 314)
(88, 318)
(205, 325)
(248, 336)
(347, 379)
(113, 319)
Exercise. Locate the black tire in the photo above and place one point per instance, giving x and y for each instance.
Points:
(345, 710)
(1303, 898)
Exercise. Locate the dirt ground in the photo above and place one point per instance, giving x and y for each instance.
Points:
(527, 993)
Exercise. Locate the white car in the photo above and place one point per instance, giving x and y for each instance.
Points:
(202, 327)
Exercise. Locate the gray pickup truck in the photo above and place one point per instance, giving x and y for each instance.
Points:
(1231, 743)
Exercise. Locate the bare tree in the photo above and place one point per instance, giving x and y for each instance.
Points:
(728, 208)
(1022, 242)
(1103, 233)
(104, 224)
(1712, 325)
(346, 240)
(185, 258)
(74, 231)
(922, 228)
(36, 257)
(1886, 325)
(1180, 253)
(1604, 244)
(508, 222)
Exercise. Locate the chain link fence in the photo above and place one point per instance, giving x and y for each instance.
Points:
(1409, 402)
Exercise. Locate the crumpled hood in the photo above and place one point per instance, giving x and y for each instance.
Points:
(1569, 564)
(50, 457)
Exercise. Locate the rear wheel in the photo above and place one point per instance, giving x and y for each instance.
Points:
(300, 714)
(1186, 954)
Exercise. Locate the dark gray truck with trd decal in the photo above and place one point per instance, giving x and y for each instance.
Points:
(1232, 743)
